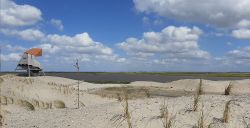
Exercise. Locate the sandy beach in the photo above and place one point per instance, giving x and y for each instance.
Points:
(51, 102)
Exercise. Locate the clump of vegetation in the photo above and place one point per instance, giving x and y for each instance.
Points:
(1, 80)
(118, 97)
(228, 89)
(147, 93)
(28, 81)
(109, 82)
(126, 113)
(10, 100)
(247, 124)
(167, 120)
(201, 123)
(35, 103)
(3, 100)
(197, 96)
(59, 104)
(226, 112)
(27, 105)
(195, 104)
(1, 120)
(119, 118)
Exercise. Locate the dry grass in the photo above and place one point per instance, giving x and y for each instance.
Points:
(35, 103)
(28, 81)
(200, 87)
(119, 118)
(1, 120)
(27, 105)
(118, 97)
(137, 92)
(126, 112)
(1, 80)
(201, 123)
(59, 104)
(196, 100)
(3, 100)
(226, 112)
(247, 124)
(166, 119)
(197, 96)
(147, 93)
(10, 100)
(228, 89)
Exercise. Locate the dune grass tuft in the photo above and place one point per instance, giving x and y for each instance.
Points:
(1, 80)
(118, 96)
(1, 120)
(10, 100)
(118, 119)
(147, 93)
(3, 100)
(247, 124)
(126, 113)
(59, 104)
(166, 119)
(201, 123)
(197, 96)
(228, 89)
(226, 112)
(27, 105)
(35, 103)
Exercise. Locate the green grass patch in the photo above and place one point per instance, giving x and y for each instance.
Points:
(109, 82)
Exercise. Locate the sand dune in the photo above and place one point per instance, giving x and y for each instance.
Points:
(50, 102)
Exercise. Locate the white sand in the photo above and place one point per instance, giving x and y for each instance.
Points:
(100, 112)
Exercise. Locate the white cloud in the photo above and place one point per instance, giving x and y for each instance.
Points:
(171, 42)
(81, 43)
(57, 23)
(10, 57)
(244, 23)
(222, 13)
(11, 48)
(27, 34)
(80, 46)
(241, 33)
(82, 39)
(242, 53)
(14, 15)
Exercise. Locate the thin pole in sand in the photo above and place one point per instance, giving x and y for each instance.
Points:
(28, 66)
(78, 94)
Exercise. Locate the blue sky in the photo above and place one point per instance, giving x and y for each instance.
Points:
(128, 35)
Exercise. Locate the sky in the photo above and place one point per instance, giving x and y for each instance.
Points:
(128, 35)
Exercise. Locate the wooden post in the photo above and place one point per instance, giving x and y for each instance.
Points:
(28, 65)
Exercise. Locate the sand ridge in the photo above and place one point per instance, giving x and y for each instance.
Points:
(55, 100)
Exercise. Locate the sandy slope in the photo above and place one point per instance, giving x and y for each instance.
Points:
(100, 112)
